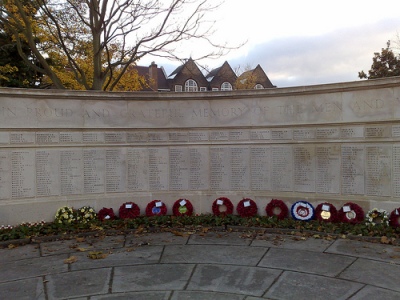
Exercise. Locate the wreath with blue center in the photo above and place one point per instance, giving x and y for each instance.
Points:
(302, 211)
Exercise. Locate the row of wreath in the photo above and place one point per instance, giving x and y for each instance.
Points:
(300, 210)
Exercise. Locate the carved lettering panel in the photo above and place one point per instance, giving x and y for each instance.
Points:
(328, 169)
(304, 168)
(282, 168)
(352, 169)
(378, 170)
(5, 174)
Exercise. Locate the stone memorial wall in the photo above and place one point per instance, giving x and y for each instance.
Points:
(336, 143)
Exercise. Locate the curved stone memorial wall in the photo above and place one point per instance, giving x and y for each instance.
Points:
(336, 143)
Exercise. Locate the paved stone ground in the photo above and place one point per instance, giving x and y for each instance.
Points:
(207, 265)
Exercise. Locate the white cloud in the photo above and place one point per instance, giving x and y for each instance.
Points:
(303, 42)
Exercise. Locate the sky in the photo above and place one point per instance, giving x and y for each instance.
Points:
(301, 43)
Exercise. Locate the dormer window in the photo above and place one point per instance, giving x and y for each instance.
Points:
(258, 86)
(226, 86)
(190, 86)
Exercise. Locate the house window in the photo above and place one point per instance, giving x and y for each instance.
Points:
(203, 89)
(226, 86)
(190, 86)
(259, 86)
(215, 89)
(178, 88)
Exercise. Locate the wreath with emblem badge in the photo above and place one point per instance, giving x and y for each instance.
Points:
(351, 213)
(326, 212)
(182, 207)
(156, 208)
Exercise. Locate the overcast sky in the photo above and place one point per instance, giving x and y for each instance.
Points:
(303, 42)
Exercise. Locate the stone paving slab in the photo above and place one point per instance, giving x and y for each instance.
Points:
(306, 261)
(375, 273)
(233, 279)
(198, 295)
(210, 265)
(120, 257)
(135, 296)
(234, 255)
(31, 288)
(91, 243)
(370, 292)
(20, 252)
(78, 283)
(156, 238)
(151, 277)
(299, 286)
(291, 242)
(220, 238)
(32, 267)
(373, 251)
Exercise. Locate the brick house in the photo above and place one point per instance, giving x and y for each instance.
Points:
(189, 78)
(155, 77)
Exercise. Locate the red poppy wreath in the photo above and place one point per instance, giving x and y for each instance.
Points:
(246, 208)
(394, 219)
(277, 208)
(156, 208)
(326, 212)
(351, 213)
(182, 207)
(222, 207)
(106, 214)
(129, 210)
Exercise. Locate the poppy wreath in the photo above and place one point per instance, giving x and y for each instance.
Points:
(394, 219)
(351, 213)
(156, 208)
(302, 211)
(247, 208)
(326, 212)
(129, 210)
(106, 214)
(216, 206)
(182, 207)
(277, 208)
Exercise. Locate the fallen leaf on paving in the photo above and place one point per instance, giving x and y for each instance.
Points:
(11, 246)
(80, 239)
(96, 255)
(385, 240)
(70, 260)
(81, 249)
(178, 233)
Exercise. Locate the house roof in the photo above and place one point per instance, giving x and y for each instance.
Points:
(260, 77)
(161, 77)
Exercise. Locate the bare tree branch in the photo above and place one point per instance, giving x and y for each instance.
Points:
(111, 35)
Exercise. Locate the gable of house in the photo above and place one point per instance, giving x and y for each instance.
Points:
(187, 75)
(262, 78)
(222, 78)
(254, 79)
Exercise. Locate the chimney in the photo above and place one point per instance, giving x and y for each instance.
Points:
(153, 76)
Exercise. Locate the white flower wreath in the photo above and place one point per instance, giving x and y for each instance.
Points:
(65, 215)
(377, 216)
